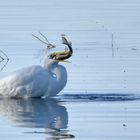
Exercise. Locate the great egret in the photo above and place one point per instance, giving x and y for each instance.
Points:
(38, 81)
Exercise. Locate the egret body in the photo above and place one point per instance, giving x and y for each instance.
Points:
(37, 81)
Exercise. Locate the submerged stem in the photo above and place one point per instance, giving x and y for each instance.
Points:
(2, 59)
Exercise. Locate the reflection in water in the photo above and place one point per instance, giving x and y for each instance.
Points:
(37, 113)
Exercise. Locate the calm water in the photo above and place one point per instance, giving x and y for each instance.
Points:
(107, 81)
(80, 117)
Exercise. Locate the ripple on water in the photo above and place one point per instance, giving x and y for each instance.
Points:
(98, 97)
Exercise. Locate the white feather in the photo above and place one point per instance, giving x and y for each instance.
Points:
(35, 81)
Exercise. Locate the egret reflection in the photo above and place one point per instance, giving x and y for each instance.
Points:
(36, 113)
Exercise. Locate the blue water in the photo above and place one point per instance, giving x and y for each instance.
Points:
(71, 116)
(101, 98)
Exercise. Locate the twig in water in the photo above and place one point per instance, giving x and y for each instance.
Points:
(44, 37)
(39, 39)
(49, 45)
(2, 59)
(112, 44)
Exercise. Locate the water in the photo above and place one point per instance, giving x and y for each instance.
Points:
(90, 25)
(71, 117)
(101, 99)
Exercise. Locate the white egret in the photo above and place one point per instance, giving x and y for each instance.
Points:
(38, 81)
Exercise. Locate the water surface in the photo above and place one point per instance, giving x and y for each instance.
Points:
(89, 25)
(71, 117)
(101, 98)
